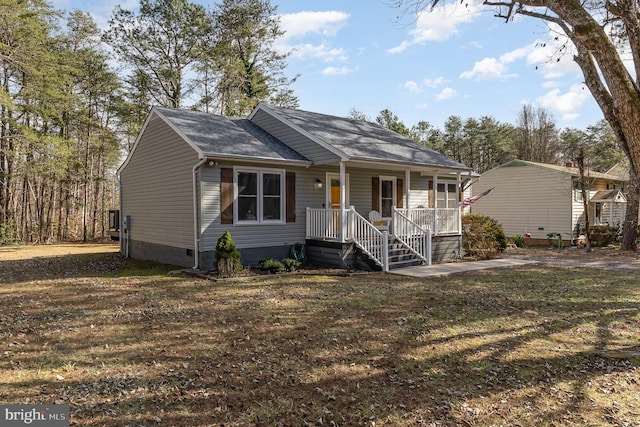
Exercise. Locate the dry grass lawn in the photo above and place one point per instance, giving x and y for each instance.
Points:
(126, 344)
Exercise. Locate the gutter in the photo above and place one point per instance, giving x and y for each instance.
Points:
(123, 250)
(196, 223)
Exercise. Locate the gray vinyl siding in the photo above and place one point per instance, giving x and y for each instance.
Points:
(294, 139)
(526, 199)
(419, 191)
(259, 235)
(157, 190)
(264, 235)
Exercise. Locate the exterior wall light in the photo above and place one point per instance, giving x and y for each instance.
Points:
(317, 185)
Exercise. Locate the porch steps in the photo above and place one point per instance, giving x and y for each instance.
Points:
(399, 257)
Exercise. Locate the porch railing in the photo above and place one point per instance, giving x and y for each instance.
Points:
(413, 236)
(323, 224)
(369, 239)
(438, 220)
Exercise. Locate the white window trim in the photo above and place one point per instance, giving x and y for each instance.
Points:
(259, 205)
(394, 189)
(446, 183)
(328, 177)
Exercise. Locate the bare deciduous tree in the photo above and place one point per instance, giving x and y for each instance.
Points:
(601, 31)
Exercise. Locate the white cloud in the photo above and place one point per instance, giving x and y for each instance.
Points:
(567, 103)
(336, 71)
(446, 93)
(550, 84)
(487, 69)
(412, 86)
(434, 83)
(320, 51)
(439, 24)
(301, 26)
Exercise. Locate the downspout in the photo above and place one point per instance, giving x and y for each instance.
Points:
(196, 223)
(124, 246)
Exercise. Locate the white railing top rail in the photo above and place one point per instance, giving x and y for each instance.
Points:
(369, 239)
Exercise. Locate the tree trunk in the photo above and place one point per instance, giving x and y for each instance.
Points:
(585, 199)
(630, 228)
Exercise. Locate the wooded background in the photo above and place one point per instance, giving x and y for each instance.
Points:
(74, 98)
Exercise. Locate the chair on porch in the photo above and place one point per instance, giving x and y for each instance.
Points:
(380, 223)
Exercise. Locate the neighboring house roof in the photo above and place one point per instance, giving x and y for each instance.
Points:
(620, 169)
(220, 136)
(563, 169)
(357, 140)
(608, 196)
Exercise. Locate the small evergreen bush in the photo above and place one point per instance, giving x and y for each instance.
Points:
(227, 256)
(603, 235)
(291, 264)
(519, 241)
(271, 265)
(482, 236)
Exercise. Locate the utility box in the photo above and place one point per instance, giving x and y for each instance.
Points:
(114, 224)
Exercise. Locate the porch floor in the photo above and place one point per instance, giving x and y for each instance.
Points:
(445, 269)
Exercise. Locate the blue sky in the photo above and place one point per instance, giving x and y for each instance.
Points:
(367, 55)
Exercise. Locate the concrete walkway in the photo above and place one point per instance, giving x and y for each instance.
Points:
(446, 269)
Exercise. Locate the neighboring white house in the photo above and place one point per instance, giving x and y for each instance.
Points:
(536, 199)
(283, 178)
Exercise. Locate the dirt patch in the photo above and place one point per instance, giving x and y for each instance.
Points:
(15, 253)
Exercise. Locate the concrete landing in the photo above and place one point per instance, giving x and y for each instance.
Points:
(459, 267)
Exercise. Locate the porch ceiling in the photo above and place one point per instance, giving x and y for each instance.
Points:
(423, 169)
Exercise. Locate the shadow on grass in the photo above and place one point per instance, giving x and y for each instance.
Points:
(529, 346)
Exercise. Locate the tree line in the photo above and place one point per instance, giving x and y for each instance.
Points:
(73, 98)
(485, 143)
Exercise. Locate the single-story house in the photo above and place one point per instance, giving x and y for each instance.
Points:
(283, 178)
(539, 199)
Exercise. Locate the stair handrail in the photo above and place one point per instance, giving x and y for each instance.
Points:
(412, 236)
(369, 239)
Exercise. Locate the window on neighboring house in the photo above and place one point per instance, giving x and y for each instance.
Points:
(447, 195)
(259, 195)
(577, 192)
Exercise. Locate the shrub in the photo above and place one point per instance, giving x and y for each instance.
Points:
(482, 236)
(227, 256)
(271, 265)
(603, 235)
(291, 264)
(519, 241)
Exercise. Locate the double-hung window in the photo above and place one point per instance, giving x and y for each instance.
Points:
(259, 195)
(447, 195)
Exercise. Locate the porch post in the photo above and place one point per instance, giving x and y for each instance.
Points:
(343, 202)
(407, 179)
(435, 203)
(458, 188)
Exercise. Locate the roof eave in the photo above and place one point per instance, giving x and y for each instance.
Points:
(254, 159)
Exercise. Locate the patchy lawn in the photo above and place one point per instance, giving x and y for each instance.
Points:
(128, 344)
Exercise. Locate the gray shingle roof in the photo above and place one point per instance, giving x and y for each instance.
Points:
(359, 140)
(222, 136)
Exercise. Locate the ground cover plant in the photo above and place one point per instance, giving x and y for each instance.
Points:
(127, 343)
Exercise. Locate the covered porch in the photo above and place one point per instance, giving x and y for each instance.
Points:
(419, 207)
